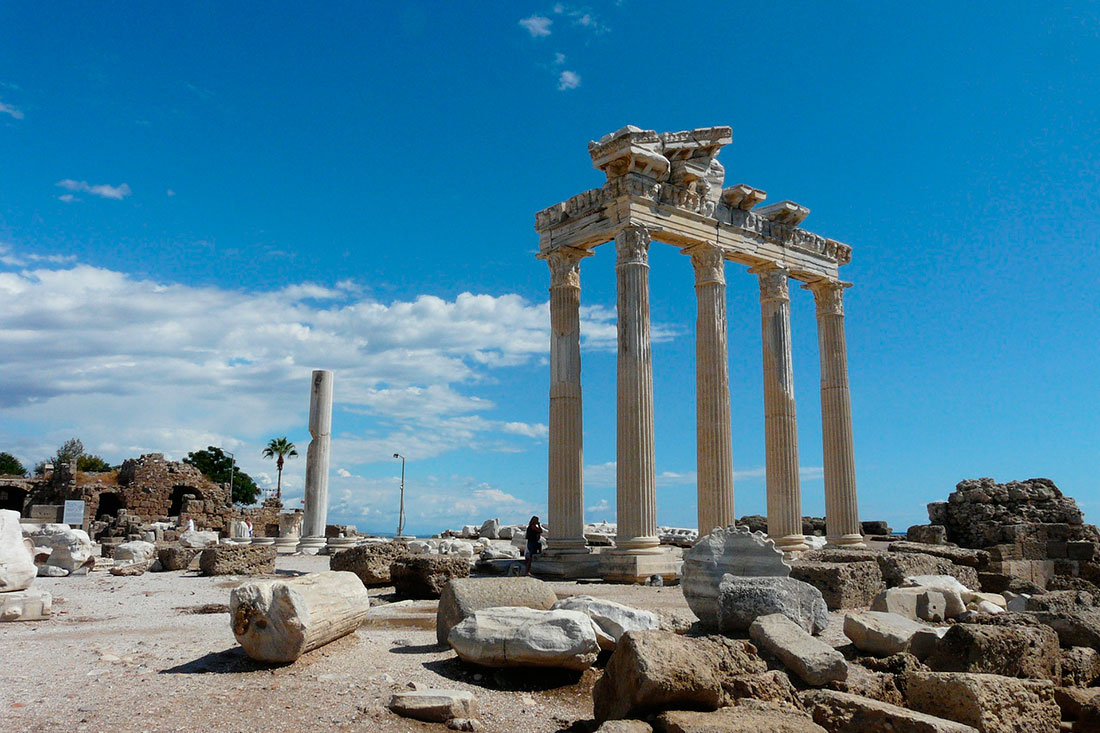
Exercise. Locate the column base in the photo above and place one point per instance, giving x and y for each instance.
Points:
(638, 546)
(566, 565)
(618, 566)
(286, 545)
(791, 543)
(336, 544)
(263, 540)
(568, 547)
(854, 541)
(311, 545)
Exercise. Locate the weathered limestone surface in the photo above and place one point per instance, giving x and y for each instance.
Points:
(71, 549)
(748, 716)
(30, 604)
(957, 555)
(841, 712)
(434, 706)
(842, 584)
(1012, 651)
(280, 620)
(814, 661)
(977, 512)
(880, 634)
(370, 562)
(918, 604)
(462, 596)
(896, 566)
(237, 560)
(176, 558)
(659, 670)
(424, 576)
(1080, 666)
(732, 551)
(742, 600)
(526, 637)
(17, 569)
(612, 619)
(135, 551)
(129, 569)
(317, 461)
(197, 539)
(991, 703)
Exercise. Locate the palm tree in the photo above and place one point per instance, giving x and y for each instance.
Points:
(279, 448)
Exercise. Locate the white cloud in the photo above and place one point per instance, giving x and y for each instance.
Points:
(169, 192)
(559, 59)
(7, 109)
(537, 25)
(601, 506)
(9, 258)
(568, 80)
(343, 473)
(602, 475)
(67, 198)
(102, 190)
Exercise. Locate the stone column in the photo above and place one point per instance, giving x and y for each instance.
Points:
(780, 421)
(841, 506)
(636, 475)
(320, 428)
(714, 450)
(565, 494)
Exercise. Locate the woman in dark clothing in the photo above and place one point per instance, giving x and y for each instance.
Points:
(534, 541)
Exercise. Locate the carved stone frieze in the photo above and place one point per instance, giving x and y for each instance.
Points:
(773, 282)
(632, 245)
(565, 266)
(709, 263)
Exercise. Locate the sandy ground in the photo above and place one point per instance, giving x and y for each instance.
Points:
(132, 654)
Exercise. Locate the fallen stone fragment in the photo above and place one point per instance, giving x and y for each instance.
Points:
(1012, 651)
(957, 555)
(193, 538)
(613, 619)
(733, 551)
(991, 703)
(625, 726)
(841, 712)
(742, 600)
(1073, 700)
(878, 633)
(773, 686)
(925, 641)
(462, 596)
(280, 620)
(896, 566)
(749, 716)
(927, 534)
(129, 569)
(30, 604)
(433, 705)
(918, 604)
(468, 724)
(17, 570)
(1080, 666)
(814, 661)
(948, 585)
(70, 549)
(176, 558)
(1081, 628)
(424, 576)
(526, 637)
(842, 584)
(658, 670)
(135, 551)
(51, 571)
(370, 562)
(238, 560)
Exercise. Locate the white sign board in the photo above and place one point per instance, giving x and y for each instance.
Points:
(74, 513)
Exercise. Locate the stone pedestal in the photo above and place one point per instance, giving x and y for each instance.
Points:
(25, 605)
(317, 460)
(263, 540)
(566, 565)
(637, 567)
(312, 545)
(784, 498)
(336, 544)
(842, 526)
(566, 454)
(714, 442)
(288, 545)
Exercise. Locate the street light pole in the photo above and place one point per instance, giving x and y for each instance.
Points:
(232, 470)
(401, 513)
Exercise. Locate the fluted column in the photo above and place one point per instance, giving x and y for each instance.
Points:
(841, 505)
(780, 420)
(636, 476)
(565, 493)
(317, 463)
(713, 439)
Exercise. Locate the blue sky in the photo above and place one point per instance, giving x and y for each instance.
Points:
(201, 203)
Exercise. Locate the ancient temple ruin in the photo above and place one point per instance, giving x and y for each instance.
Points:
(668, 187)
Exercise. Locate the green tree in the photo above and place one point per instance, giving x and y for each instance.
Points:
(279, 448)
(88, 462)
(71, 450)
(219, 468)
(10, 465)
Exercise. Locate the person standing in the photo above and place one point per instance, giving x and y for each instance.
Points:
(534, 541)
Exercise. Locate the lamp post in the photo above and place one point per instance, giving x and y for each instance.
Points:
(401, 513)
(232, 470)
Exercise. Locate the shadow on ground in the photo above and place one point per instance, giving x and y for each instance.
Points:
(512, 679)
(229, 661)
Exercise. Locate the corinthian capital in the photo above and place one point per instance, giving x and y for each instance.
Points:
(829, 296)
(773, 282)
(709, 263)
(565, 266)
(632, 245)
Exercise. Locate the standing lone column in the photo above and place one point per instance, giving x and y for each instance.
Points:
(780, 420)
(714, 450)
(841, 505)
(320, 428)
(636, 474)
(565, 492)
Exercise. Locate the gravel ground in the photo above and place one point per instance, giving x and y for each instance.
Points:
(156, 653)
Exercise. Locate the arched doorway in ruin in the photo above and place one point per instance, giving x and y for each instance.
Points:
(178, 492)
(13, 498)
(109, 502)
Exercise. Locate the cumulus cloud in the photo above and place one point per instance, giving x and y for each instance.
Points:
(559, 59)
(102, 190)
(7, 109)
(568, 80)
(537, 25)
(602, 475)
(9, 258)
